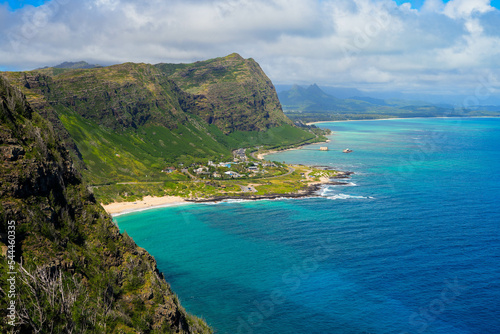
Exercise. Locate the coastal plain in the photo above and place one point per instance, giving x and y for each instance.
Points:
(300, 181)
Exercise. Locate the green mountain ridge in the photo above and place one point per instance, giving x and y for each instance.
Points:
(74, 65)
(231, 92)
(74, 271)
(126, 122)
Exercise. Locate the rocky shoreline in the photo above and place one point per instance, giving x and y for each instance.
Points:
(309, 191)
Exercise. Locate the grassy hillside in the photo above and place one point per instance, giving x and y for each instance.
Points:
(139, 154)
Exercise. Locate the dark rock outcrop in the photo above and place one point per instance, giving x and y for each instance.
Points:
(75, 271)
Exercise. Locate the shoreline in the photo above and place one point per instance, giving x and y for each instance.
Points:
(261, 156)
(399, 118)
(362, 120)
(147, 202)
(150, 202)
(308, 191)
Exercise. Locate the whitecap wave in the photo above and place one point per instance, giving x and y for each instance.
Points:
(229, 200)
(332, 189)
(346, 196)
(244, 200)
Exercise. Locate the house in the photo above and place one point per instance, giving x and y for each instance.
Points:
(201, 169)
(253, 168)
(232, 174)
(169, 170)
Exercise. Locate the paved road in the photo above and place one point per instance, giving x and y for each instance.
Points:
(290, 171)
(185, 170)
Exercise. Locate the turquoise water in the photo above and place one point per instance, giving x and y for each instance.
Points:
(411, 246)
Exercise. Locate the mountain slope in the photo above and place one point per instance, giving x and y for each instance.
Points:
(78, 273)
(126, 122)
(310, 98)
(231, 92)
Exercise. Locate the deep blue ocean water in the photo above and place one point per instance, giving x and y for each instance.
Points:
(411, 246)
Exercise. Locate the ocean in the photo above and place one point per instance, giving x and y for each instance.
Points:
(411, 245)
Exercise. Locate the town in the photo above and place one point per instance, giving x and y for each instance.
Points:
(240, 167)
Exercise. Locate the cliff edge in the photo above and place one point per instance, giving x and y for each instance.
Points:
(73, 271)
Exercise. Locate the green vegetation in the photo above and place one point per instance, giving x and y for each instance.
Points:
(127, 122)
(231, 92)
(274, 138)
(75, 271)
(139, 154)
(270, 180)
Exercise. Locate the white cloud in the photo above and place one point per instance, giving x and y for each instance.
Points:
(432, 6)
(332, 42)
(466, 8)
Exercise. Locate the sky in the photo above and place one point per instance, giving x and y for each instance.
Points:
(422, 46)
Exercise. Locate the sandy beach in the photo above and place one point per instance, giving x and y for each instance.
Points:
(261, 155)
(145, 203)
(150, 202)
(397, 118)
(358, 120)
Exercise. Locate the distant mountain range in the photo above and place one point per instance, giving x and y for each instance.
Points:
(312, 103)
(339, 92)
(73, 65)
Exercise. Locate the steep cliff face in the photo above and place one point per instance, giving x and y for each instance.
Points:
(78, 273)
(231, 92)
(116, 97)
(126, 122)
(121, 122)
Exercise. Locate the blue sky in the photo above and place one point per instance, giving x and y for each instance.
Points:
(417, 4)
(428, 46)
(14, 4)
